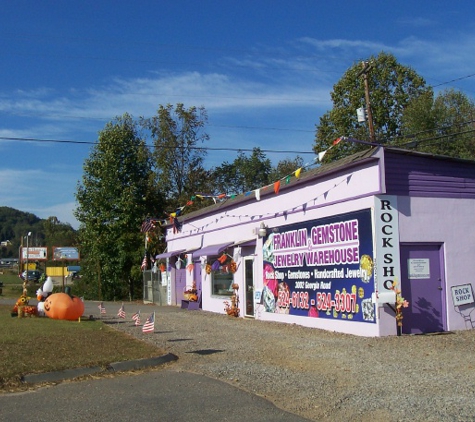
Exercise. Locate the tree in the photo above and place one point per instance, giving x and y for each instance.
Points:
(285, 167)
(177, 133)
(440, 125)
(117, 192)
(57, 233)
(392, 87)
(243, 174)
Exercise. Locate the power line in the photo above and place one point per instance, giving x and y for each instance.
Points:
(106, 119)
(65, 141)
(454, 80)
(436, 139)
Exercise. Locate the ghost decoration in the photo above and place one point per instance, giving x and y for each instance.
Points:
(42, 294)
(41, 303)
(48, 286)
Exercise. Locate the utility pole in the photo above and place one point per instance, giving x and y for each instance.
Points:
(364, 72)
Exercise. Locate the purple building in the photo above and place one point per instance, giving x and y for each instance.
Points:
(328, 249)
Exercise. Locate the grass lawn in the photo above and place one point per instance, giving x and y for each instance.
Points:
(35, 345)
(13, 285)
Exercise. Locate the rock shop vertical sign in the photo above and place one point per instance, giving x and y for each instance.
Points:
(387, 260)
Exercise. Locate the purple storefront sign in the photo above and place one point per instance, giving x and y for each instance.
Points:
(321, 268)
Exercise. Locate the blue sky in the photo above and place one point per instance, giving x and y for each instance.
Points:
(263, 70)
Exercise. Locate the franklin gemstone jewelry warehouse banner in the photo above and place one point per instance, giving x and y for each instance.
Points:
(321, 268)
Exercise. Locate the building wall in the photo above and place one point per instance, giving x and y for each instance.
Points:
(428, 177)
(449, 221)
(435, 202)
(347, 192)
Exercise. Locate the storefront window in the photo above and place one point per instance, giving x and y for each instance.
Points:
(221, 283)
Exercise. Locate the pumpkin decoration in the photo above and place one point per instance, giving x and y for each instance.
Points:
(64, 306)
(208, 269)
(233, 266)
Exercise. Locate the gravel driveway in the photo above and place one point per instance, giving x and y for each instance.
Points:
(320, 375)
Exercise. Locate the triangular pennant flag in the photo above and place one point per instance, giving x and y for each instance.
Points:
(321, 155)
(287, 180)
(277, 187)
(297, 172)
(336, 141)
(257, 192)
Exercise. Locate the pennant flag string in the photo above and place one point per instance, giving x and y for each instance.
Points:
(149, 224)
(284, 212)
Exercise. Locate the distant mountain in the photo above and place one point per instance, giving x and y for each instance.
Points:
(15, 225)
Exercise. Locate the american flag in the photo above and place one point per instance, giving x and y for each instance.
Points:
(147, 226)
(102, 308)
(149, 326)
(136, 318)
(144, 265)
(121, 313)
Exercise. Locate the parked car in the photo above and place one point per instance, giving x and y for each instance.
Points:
(33, 275)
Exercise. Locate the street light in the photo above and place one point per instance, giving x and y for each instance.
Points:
(25, 284)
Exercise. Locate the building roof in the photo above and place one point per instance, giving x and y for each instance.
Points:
(309, 176)
(322, 171)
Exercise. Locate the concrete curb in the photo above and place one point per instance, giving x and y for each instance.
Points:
(115, 366)
(60, 375)
(130, 365)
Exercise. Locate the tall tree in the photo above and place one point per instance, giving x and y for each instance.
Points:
(391, 85)
(243, 174)
(285, 167)
(57, 233)
(178, 134)
(118, 190)
(440, 125)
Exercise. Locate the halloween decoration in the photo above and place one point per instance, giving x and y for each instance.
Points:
(64, 306)
(42, 294)
(232, 309)
(191, 293)
(22, 308)
(222, 259)
(27, 311)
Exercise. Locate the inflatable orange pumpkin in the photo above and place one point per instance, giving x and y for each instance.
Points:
(63, 306)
